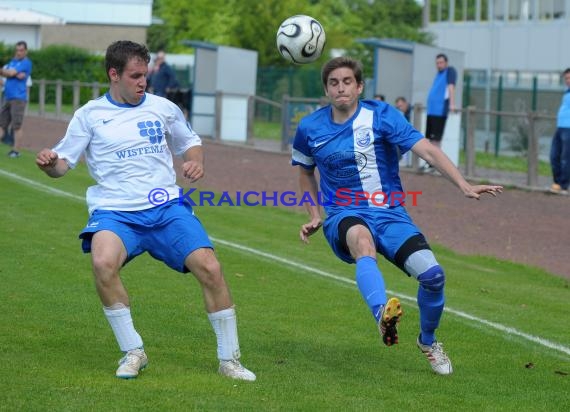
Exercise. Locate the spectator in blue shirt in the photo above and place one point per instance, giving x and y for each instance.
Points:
(560, 149)
(441, 100)
(16, 72)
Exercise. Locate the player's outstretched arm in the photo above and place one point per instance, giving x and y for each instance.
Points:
(48, 161)
(435, 157)
(308, 184)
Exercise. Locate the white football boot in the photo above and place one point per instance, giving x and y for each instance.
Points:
(234, 369)
(437, 358)
(132, 363)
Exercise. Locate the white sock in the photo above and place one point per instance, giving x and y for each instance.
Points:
(225, 326)
(122, 324)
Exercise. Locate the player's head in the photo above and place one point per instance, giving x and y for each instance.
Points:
(121, 52)
(342, 80)
(566, 77)
(441, 62)
(339, 62)
(127, 67)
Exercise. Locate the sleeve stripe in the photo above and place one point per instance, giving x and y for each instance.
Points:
(300, 158)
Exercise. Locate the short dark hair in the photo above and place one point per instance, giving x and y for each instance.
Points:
(441, 55)
(566, 71)
(339, 62)
(401, 98)
(22, 43)
(120, 52)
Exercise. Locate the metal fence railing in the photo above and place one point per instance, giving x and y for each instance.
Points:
(523, 134)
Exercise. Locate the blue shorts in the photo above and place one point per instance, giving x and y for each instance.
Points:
(169, 232)
(390, 228)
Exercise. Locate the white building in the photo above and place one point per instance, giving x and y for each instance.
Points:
(89, 24)
(518, 38)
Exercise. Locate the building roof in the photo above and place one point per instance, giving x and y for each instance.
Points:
(22, 16)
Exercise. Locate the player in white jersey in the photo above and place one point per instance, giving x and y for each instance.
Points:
(354, 145)
(134, 207)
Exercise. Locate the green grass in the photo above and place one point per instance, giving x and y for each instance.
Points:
(309, 338)
(506, 163)
(50, 108)
(267, 130)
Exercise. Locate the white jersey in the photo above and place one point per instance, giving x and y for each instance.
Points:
(126, 149)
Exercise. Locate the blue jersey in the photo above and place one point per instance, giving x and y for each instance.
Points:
(438, 98)
(357, 160)
(563, 118)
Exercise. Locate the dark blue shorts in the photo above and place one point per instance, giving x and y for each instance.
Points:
(169, 232)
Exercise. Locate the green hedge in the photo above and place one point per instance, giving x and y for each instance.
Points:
(66, 63)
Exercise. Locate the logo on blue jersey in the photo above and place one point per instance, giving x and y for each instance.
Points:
(151, 129)
(363, 137)
(345, 164)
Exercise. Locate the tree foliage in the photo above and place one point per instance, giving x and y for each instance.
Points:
(252, 24)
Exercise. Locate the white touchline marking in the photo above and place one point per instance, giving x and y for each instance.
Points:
(502, 328)
(41, 186)
(458, 313)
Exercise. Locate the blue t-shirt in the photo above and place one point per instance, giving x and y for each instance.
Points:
(357, 156)
(563, 118)
(14, 88)
(438, 98)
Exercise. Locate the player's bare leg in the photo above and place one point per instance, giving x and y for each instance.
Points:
(108, 255)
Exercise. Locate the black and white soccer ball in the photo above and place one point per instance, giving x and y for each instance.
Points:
(301, 39)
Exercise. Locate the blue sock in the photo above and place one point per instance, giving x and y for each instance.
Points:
(431, 308)
(371, 284)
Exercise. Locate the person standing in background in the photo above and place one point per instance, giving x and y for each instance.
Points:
(162, 77)
(403, 106)
(441, 100)
(16, 72)
(560, 149)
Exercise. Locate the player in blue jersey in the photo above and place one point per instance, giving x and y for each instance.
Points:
(134, 207)
(353, 144)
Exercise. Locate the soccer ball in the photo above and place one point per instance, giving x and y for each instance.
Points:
(301, 39)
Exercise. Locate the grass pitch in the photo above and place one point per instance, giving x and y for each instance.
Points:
(304, 329)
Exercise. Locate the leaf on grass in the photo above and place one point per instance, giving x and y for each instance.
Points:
(529, 365)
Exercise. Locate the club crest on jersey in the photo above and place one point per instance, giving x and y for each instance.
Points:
(345, 164)
(152, 130)
(363, 137)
